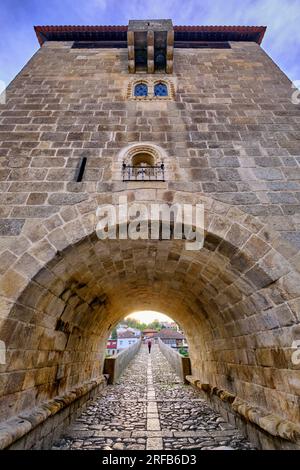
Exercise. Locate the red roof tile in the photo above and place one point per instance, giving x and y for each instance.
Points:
(170, 334)
(127, 334)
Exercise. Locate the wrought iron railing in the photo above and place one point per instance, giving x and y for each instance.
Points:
(143, 173)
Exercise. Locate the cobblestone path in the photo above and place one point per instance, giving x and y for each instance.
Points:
(149, 408)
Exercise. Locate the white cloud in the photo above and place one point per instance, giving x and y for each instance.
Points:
(282, 17)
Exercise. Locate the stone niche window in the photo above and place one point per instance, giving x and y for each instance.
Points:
(143, 159)
(143, 164)
(151, 89)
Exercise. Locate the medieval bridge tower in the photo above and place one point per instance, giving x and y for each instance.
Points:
(184, 114)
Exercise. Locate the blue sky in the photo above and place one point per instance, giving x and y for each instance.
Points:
(17, 17)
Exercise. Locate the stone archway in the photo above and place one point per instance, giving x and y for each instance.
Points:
(236, 299)
(151, 154)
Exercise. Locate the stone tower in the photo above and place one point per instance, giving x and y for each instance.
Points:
(159, 113)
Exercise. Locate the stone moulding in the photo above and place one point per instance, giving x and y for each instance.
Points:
(17, 427)
(268, 422)
(136, 149)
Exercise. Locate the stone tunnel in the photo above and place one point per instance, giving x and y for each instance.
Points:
(234, 298)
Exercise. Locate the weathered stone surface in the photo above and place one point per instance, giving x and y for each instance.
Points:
(36, 198)
(11, 227)
(67, 199)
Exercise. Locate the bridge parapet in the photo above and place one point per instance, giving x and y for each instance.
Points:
(114, 366)
(181, 364)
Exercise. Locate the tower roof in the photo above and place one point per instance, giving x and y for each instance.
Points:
(184, 36)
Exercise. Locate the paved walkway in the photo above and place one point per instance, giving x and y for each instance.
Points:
(149, 408)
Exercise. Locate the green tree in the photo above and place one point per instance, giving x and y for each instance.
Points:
(183, 352)
(155, 325)
(133, 323)
(114, 334)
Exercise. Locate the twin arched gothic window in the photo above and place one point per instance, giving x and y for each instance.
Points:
(160, 89)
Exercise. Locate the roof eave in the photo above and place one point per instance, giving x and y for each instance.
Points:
(42, 31)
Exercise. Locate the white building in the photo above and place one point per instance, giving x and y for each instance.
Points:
(127, 338)
(172, 338)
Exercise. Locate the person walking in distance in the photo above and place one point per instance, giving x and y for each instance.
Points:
(149, 345)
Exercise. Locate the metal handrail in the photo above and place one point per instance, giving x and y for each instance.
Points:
(143, 173)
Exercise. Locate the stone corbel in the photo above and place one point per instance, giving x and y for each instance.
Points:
(131, 58)
(170, 51)
(150, 51)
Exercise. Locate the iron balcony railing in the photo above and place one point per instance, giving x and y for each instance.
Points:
(143, 173)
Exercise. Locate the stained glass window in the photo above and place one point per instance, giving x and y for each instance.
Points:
(141, 89)
(160, 89)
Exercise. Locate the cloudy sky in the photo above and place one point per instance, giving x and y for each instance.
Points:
(17, 17)
(148, 316)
